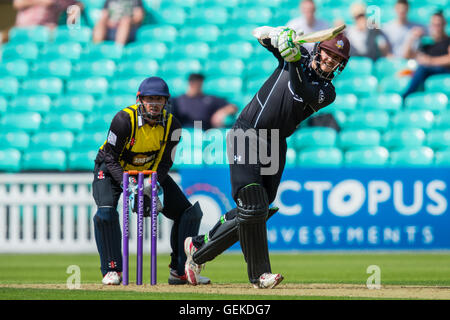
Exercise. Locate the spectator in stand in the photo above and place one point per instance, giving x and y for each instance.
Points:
(119, 21)
(195, 105)
(432, 58)
(401, 29)
(41, 12)
(307, 21)
(366, 41)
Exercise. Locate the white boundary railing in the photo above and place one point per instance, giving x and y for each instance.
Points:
(52, 213)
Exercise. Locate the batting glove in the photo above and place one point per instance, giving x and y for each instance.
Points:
(289, 50)
(266, 32)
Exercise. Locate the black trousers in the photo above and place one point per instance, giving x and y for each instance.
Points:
(107, 191)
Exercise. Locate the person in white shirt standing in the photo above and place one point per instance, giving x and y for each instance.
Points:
(307, 21)
(400, 30)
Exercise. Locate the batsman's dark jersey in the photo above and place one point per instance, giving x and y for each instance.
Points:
(290, 95)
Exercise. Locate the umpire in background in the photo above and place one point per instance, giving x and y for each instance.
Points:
(141, 137)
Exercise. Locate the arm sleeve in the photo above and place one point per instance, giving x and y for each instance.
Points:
(118, 135)
(317, 94)
(166, 159)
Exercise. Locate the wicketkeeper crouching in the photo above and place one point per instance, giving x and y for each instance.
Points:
(140, 138)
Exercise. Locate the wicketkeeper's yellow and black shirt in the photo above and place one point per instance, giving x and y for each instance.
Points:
(133, 144)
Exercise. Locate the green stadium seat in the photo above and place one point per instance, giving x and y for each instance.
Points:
(9, 86)
(81, 34)
(82, 160)
(263, 3)
(252, 14)
(23, 121)
(15, 68)
(434, 102)
(219, 3)
(64, 50)
(61, 68)
(93, 3)
(320, 157)
(179, 3)
(84, 103)
(438, 83)
(442, 120)
(51, 160)
(3, 104)
(89, 140)
(126, 86)
(419, 156)
(37, 34)
(238, 32)
(147, 50)
(205, 33)
(35, 103)
(223, 86)
(353, 138)
(442, 158)
(394, 85)
(16, 139)
(173, 15)
(360, 86)
(335, 11)
(92, 15)
(96, 86)
(252, 85)
(389, 67)
(225, 67)
(181, 67)
(72, 121)
(314, 136)
(390, 102)
(345, 102)
(98, 122)
(357, 67)
(339, 116)
(439, 139)
(94, 68)
(374, 119)
(404, 137)
(192, 50)
(368, 156)
(114, 103)
(238, 49)
(291, 158)
(161, 33)
(209, 15)
(49, 85)
(261, 67)
(421, 14)
(52, 140)
(142, 67)
(413, 119)
(10, 160)
(104, 50)
(28, 51)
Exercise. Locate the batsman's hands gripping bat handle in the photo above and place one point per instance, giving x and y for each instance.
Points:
(319, 36)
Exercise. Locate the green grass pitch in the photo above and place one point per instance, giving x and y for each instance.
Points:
(406, 269)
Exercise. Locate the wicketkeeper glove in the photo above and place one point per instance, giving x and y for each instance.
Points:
(289, 50)
(133, 198)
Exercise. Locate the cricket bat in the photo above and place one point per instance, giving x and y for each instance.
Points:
(319, 36)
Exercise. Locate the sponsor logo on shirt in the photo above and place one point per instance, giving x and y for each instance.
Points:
(142, 159)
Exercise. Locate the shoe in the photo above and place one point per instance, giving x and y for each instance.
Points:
(175, 279)
(268, 281)
(112, 278)
(191, 269)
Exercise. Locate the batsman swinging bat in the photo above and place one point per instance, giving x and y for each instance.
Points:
(321, 35)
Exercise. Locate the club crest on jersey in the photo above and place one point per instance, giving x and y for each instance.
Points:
(340, 44)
